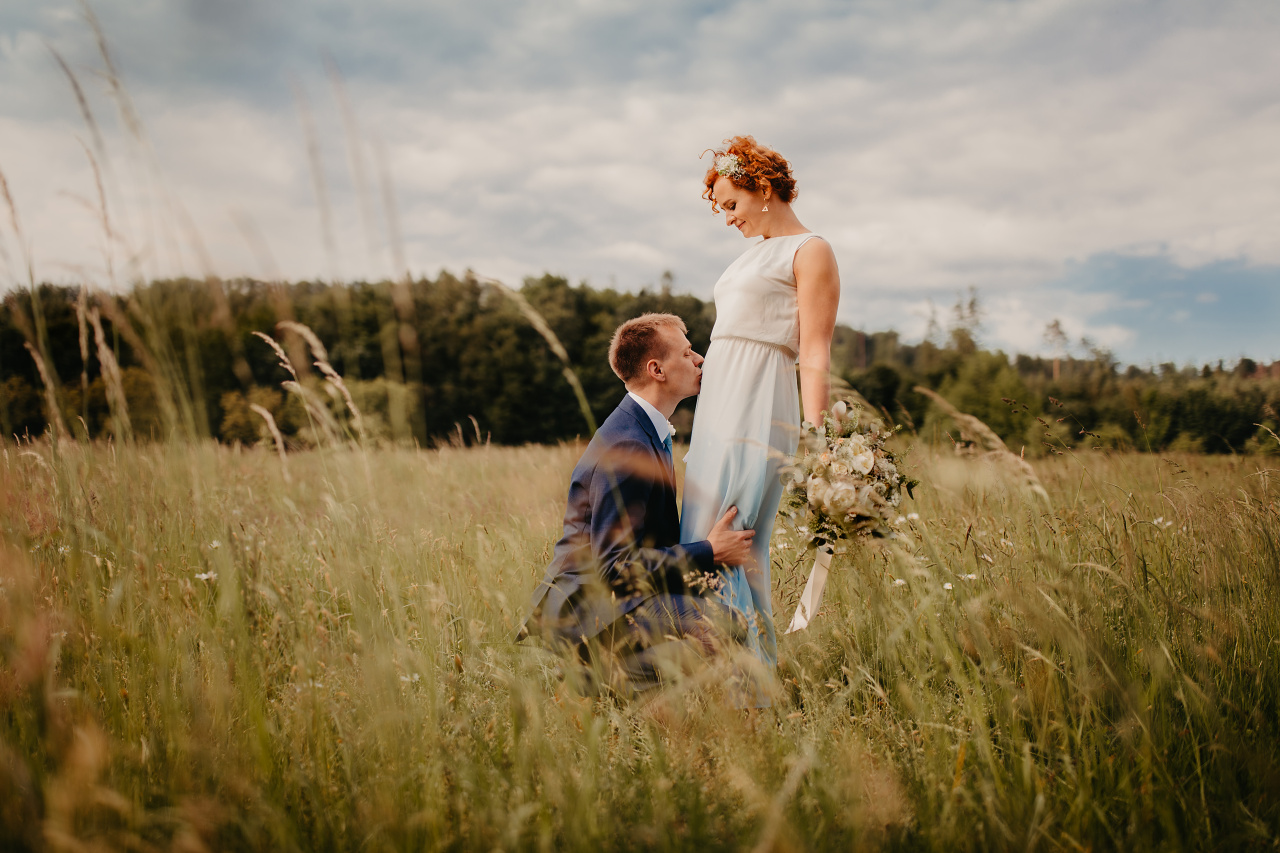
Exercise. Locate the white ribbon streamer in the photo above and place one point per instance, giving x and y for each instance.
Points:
(812, 594)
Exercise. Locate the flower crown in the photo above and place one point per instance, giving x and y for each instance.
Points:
(729, 166)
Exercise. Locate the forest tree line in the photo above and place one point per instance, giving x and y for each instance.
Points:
(455, 359)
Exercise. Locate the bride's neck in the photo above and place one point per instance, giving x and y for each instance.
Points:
(784, 223)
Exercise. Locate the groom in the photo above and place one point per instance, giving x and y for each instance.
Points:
(622, 593)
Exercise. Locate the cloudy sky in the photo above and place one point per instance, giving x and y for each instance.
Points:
(1112, 163)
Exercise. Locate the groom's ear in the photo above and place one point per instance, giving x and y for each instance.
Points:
(653, 371)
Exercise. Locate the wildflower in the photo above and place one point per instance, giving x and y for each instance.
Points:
(410, 679)
(1161, 523)
(899, 582)
(913, 516)
(729, 166)
(900, 519)
(207, 576)
(946, 586)
(970, 577)
(215, 545)
(987, 557)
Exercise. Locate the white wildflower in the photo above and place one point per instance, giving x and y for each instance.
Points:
(899, 582)
(913, 516)
(946, 586)
(970, 577)
(215, 545)
(729, 166)
(207, 576)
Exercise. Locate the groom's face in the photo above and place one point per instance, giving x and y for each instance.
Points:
(681, 365)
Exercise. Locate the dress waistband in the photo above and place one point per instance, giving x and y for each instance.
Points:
(785, 350)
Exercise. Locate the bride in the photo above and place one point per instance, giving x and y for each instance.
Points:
(775, 304)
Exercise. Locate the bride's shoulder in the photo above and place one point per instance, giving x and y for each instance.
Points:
(814, 246)
(814, 255)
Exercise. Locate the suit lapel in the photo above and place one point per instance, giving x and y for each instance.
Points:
(644, 422)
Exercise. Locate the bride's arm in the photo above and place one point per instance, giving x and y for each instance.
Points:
(818, 294)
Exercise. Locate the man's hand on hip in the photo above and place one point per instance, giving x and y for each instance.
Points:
(729, 546)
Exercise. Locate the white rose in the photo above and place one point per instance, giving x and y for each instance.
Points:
(863, 462)
(817, 489)
(841, 498)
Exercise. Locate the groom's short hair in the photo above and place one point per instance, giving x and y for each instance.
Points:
(638, 340)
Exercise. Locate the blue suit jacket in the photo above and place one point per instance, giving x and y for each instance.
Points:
(621, 540)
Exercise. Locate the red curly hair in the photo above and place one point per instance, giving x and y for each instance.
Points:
(760, 166)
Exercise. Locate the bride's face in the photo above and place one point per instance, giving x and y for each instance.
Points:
(742, 208)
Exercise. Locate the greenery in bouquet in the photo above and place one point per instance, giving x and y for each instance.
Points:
(844, 481)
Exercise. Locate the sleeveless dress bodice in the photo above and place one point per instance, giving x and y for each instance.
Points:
(745, 428)
(756, 296)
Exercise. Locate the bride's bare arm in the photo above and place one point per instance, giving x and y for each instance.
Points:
(818, 294)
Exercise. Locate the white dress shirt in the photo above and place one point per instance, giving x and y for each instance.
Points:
(660, 422)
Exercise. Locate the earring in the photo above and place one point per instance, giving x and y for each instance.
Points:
(765, 209)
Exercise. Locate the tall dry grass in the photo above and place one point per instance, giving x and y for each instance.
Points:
(196, 651)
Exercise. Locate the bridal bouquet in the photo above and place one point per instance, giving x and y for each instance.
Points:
(844, 482)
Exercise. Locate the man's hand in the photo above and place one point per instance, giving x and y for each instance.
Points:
(728, 546)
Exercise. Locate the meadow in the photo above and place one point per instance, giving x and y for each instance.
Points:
(205, 647)
(218, 646)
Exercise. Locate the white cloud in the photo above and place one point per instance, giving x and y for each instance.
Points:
(938, 145)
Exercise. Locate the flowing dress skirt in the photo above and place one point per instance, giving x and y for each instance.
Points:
(744, 429)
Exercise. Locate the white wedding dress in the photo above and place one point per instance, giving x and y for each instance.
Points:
(747, 422)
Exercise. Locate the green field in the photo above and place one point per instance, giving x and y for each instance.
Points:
(200, 648)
